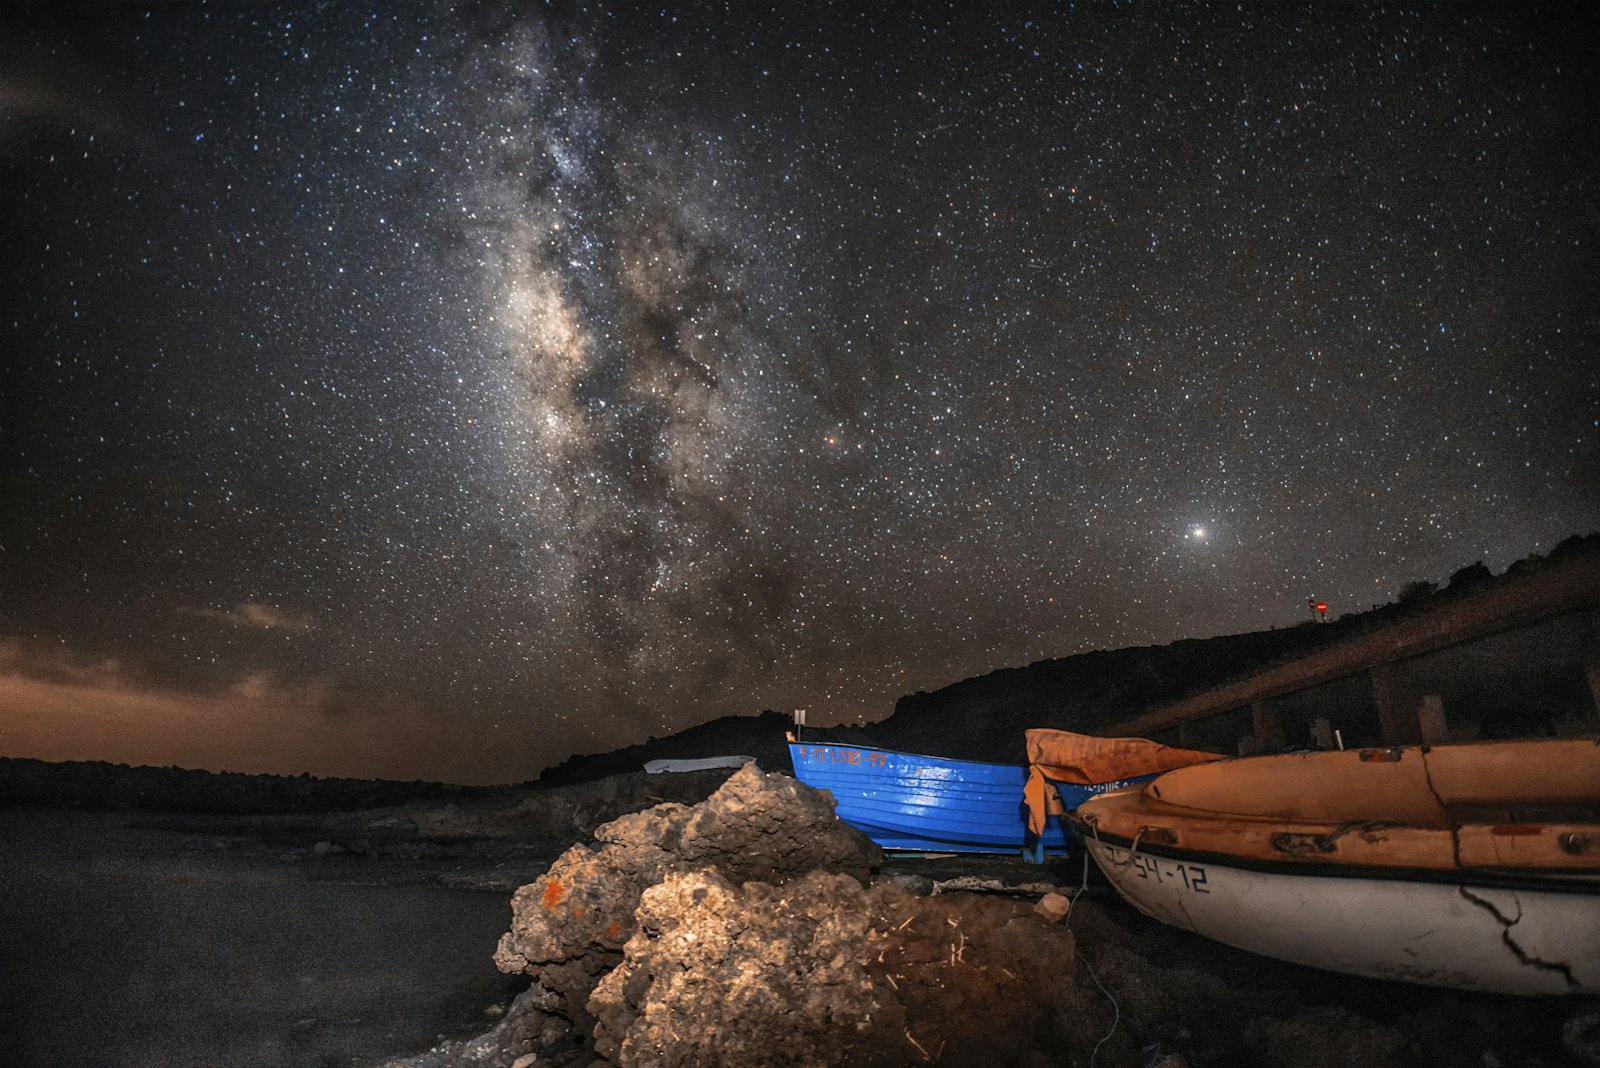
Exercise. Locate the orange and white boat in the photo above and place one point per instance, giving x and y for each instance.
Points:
(1469, 866)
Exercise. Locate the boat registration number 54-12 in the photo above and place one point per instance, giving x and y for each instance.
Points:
(1189, 876)
(834, 755)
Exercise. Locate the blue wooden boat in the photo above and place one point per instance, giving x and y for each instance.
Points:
(929, 804)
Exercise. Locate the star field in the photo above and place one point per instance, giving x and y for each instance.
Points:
(498, 382)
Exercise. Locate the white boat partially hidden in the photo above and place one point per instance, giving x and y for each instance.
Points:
(660, 767)
(1469, 866)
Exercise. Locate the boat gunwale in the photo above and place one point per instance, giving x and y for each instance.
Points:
(1110, 785)
(1554, 880)
(910, 784)
(901, 752)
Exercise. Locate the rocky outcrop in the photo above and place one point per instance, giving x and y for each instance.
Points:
(532, 1031)
(772, 827)
(718, 974)
(747, 930)
(823, 971)
(570, 925)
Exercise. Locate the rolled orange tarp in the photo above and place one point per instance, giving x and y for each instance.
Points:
(1062, 756)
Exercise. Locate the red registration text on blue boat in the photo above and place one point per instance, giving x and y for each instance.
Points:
(829, 754)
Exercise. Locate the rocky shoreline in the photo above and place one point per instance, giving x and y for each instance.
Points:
(750, 927)
(754, 928)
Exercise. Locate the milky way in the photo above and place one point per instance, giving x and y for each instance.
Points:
(512, 382)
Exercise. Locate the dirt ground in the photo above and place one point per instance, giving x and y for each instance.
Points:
(1173, 992)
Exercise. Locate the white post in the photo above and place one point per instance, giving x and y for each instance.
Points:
(1322, 733)
(1430, 717)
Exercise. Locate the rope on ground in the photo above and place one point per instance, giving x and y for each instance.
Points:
(1116, 1010)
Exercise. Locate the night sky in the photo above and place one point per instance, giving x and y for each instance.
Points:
(432, 390)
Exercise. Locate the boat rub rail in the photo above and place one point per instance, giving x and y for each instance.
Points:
(1582, 876)
(1376, 843)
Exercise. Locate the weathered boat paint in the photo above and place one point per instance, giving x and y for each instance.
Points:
(931, 804)
(1475, 867)
(1543, 940)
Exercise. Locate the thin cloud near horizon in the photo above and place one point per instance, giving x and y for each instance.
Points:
(261, 617)
(54, 709)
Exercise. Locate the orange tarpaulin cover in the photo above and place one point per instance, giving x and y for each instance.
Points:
(1062, 756)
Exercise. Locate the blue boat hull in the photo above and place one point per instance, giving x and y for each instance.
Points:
(931, 804)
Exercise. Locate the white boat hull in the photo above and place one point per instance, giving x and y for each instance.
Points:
(666, 767)
(1437, 933)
